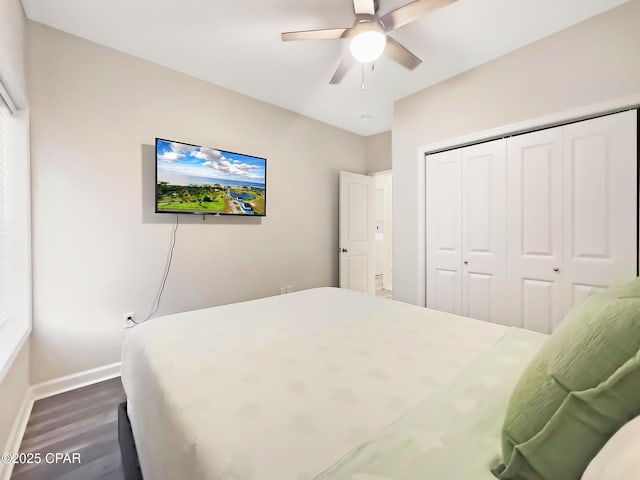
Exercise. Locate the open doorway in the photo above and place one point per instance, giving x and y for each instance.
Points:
(383, 248)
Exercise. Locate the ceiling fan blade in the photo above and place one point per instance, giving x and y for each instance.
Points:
(398, 53)
(364, 6)
(407, 14)
(345, 65)
(326, 34)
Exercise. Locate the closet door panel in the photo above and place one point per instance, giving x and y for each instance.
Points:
(443, 182)
(538, 304)
(483, 231)
(581, 292)
(600, 195)
(480, 300)
(446, 290)
(534, 229)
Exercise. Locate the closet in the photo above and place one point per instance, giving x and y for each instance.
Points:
(521, 229)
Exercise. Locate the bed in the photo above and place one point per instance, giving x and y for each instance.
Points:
(323, 384)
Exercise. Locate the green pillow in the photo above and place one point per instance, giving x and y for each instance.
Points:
(581, 387)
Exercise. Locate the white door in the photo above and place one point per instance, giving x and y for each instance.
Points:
(534, 230)
(483, 231)
(380, 230)
(600, 204)
(384, 181)
(444, 238)
(357, 232)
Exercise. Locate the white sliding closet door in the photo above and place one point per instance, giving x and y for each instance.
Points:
(444, 238)
(483, 231)
(534, 230)
(600, 192)
(521, 230)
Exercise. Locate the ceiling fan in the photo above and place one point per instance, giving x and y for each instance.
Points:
(369, 34)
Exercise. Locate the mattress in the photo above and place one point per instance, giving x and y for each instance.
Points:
(284, 388)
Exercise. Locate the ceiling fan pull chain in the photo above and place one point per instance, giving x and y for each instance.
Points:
(362, 86)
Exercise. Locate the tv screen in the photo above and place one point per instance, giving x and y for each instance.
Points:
(202, 180)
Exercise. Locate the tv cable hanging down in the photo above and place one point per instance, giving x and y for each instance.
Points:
(156, 303)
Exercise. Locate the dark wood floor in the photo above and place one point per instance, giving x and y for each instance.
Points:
(81, 421)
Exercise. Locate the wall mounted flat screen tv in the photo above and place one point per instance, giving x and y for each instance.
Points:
(203, 180)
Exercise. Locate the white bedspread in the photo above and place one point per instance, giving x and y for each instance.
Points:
(281, 388)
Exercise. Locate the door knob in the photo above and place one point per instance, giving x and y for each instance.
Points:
(466, 262)
(344, 250)
(556, 269)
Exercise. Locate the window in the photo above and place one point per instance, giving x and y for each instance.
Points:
(15, 230)
(4, 119)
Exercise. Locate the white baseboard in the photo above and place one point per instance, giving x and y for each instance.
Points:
(17, 431)
(48, 389)
(76, 380)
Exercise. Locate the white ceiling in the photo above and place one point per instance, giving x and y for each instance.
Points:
(236, 44)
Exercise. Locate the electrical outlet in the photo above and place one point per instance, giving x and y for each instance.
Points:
(128, 320)
(283, 290)
(289, 289)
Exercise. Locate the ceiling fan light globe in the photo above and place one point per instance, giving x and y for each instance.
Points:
(368, 45)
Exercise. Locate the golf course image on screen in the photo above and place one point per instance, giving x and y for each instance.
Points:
(194, 179)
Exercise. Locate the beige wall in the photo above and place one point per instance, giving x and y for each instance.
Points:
(99, 251)
(378, 152)
(591, 62)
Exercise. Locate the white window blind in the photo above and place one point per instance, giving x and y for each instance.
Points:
(4, 120)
